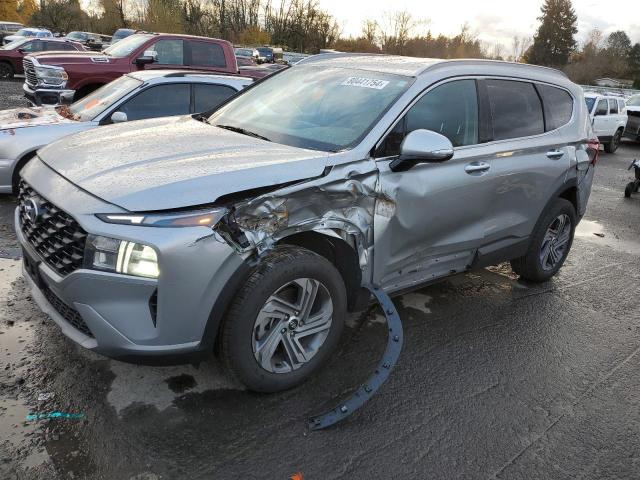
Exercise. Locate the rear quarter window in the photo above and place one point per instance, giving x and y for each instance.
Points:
(207, 54)
(558, 106)
(516, 109)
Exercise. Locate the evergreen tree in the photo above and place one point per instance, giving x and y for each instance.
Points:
(554, 41)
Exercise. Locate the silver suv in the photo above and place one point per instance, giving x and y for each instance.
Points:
(255, 228)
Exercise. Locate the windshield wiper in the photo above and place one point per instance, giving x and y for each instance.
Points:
(243, 132)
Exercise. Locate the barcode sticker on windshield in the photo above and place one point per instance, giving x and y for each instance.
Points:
(365, 82)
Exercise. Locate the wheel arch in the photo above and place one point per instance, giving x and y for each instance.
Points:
(22, 161)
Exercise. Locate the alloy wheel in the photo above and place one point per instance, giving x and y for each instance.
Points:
(292, 325)
(555, 242)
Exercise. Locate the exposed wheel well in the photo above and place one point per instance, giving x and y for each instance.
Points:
(15, 178)
(339, 253)
(571, 194)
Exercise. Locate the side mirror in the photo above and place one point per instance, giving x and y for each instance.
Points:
(118, 117)
(421, 146)
(149, 56)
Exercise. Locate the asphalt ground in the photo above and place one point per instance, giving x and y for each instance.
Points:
(497, 379)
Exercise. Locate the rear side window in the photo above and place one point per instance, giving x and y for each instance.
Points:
(58, 46)
(207, 54)
(613, 105)
(159, 101)
(208, 97)
(558, 106)
(515, 108)
(602, 107)
(621, 105)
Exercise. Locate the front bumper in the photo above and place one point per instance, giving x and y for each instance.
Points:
(195, 265)
(48, 96)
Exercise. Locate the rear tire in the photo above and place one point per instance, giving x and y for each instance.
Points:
(550, 243)
(260, 330)
(614, 143)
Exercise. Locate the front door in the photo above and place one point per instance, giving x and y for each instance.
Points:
(430, 219)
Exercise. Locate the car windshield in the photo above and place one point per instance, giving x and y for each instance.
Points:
(76, 35)
(328, 109)
(95, 103)
(590, 101)
(124, 47)
(120, 34)
(634, 101)
(15, 44)
(25, 32)
(264, 51)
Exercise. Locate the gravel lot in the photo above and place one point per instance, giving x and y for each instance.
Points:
(497, 379)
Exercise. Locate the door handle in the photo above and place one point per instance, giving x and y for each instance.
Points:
(555, 154)
(477, 167)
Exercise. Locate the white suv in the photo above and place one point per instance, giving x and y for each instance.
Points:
(609, 118)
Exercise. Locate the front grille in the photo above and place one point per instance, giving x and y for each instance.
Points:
(54, 235)
(30, 73)
(71, 315)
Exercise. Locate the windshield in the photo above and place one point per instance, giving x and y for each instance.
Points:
(25, 32)
(76, 35)
(95, 103)
(124, 47)
(319, 108)
(120, 34)
(264, 51)
(634, 101)
(590, 101)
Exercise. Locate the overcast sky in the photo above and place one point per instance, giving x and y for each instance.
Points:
(492, 20)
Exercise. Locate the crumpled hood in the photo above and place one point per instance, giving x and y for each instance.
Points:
(29, 117)
(178, 162)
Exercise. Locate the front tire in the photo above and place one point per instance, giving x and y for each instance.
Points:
(285, 321)
(6, 71)
(550, 243)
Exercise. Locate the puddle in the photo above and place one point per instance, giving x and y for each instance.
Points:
(594, 232)
(161, 386)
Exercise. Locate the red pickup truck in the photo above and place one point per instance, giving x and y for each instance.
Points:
(65, 77)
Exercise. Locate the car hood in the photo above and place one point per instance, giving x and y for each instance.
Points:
(178, 162)
(72, 58)
(633, 108)
(30, 117)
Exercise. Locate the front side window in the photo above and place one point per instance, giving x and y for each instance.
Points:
(558, 106)
(613, 106)
(159, 101)
(31, 46)
(602, 108)
(450, 109)
(206, 54)
(89, 107)
(516, 109)
(326, 108)
(208, 97)
(170, 52)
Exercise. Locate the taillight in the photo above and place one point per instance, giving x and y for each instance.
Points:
(593, 150)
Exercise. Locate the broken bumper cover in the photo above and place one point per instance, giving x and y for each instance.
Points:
(130, 317)
(48, 96)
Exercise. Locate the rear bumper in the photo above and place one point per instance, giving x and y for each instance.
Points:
(48, 96)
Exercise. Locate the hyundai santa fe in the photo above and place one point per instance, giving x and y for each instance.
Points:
(251, 231)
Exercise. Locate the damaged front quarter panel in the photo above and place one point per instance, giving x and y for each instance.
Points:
(339, 203)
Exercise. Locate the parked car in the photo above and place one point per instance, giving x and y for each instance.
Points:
(269, 54)
(92, 41)
(134, 96)
(27, 32)
(250, 54)
(632, 129)
(62, 78)
(254, 229)
(609, 118)
(260, 71)
(11, 55)
(291, 58)
(8, 28)
(120, 34)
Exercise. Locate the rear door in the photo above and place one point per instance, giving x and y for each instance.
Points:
(531, 155)
(204, 55)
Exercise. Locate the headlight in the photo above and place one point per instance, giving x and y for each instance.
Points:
(121, 256)
(200, 218)
(51, 75)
